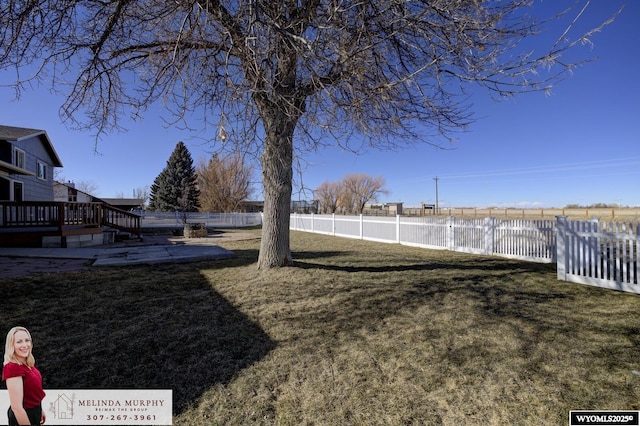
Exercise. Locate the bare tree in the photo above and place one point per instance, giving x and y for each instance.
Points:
(327, 195)
(288, 75)
(224, 183)
(142, 194)
(58, 176)
(59, 191)
(87, 186)
(359, 189)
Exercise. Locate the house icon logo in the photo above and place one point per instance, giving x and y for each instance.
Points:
(62, 407)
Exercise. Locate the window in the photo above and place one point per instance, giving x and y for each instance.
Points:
(18, 191)
(42, 170)
(18, 158)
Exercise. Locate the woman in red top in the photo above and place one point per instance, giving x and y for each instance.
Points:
(24, 381)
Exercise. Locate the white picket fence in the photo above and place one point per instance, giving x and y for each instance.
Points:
(211, 220)
(585, 251)
(599, 254)
(514, 238)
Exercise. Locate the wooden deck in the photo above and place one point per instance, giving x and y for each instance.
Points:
(26, 223)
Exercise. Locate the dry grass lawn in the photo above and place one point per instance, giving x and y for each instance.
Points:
(357, 333)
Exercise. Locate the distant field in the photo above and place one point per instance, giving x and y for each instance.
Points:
(617, 214)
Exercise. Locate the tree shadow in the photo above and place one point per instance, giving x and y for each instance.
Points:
(315, 254)
(167, 331)
(426, 282)
(500, 291)
(494, 264)
(242, 257)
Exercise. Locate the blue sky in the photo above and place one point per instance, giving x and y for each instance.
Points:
(578, 145)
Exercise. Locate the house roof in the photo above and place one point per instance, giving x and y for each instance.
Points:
(71, 185)
(122, 201)
(17, 134)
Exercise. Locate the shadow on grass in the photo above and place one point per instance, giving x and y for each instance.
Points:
(243, 257)
(160, 327)
(496, 265)
(384, 290)
(316, 254)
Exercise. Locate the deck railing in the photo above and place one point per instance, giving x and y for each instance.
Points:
(65, 218)
(121, 220)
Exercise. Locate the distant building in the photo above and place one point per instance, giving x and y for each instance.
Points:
(304, 207)
(394, 208)
(387, 209)
(251, 207)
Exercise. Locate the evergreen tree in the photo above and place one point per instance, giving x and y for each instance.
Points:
(176, 189)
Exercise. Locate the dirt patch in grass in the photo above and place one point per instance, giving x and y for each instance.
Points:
(355, 333)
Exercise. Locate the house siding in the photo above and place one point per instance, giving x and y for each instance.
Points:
(35, 189)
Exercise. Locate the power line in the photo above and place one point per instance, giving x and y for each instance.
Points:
(587, 165)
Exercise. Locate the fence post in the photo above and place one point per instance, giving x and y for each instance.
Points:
(561, 247)
(398, 228)
(450, 233)
(361, 227)
(333, 224)
(489, 235)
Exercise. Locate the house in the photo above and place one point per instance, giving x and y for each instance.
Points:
(27, 160)
(31, 216)
(67, 192)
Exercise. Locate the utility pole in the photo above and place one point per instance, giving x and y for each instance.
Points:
(436, 179)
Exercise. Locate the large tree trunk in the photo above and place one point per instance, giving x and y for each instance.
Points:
(277, 176)
(280, 113)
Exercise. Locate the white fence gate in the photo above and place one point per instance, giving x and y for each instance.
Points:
(586, 252)
(603, 255)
